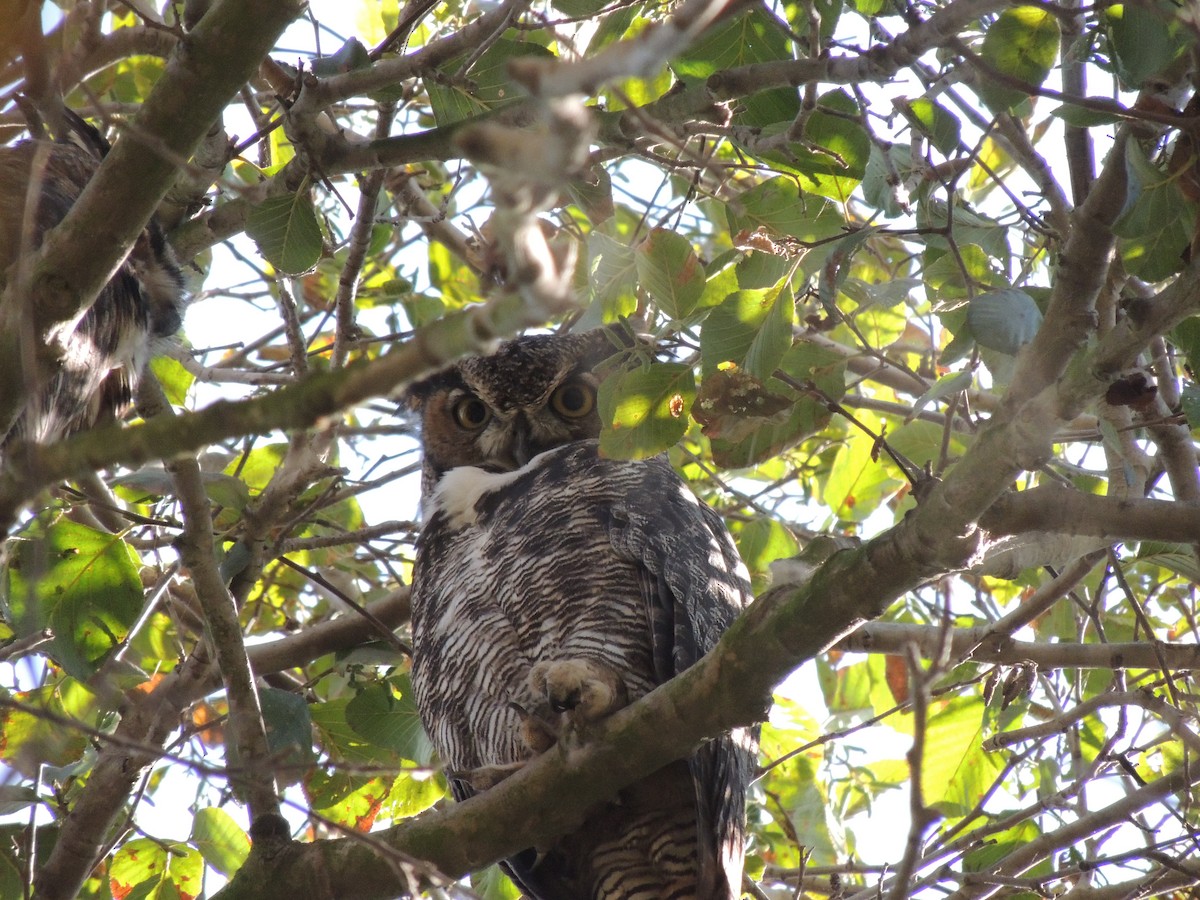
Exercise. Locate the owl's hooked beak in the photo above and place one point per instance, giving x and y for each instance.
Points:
(527, 440)
(522, 442)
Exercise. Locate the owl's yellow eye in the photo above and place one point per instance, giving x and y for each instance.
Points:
(574, 399)
(471, 413)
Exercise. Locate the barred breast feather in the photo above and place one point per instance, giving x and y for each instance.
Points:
(575, 556)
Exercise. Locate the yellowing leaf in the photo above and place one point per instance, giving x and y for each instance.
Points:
(220, 840)
(1023, 44)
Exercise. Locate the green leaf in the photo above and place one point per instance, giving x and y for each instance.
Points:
(15, 855)
(157, 872)
(349, 799)
(1186, 336)
(14, 798)
(955, 769)
(931, 119)
(722, 279)
(287, 232)
(947, 276)
(414, 792)
(578, 9)
(774, 337)
(856, 687)
(1004, 320)
(614, 25)
(174, 378)
(421, 309)
(967, 226)
(835, 159)
(760, 542)
(258, 467)
(1190, 400)
(800, 17)
(755, 271)
(882, 184)
(593, 193)
(796, 785)
(1177, 558)
(612, 274)
(492, 884)
(921, 441)
(1145, 38)
(1157, 223)
(859, 480)
(752, 329)
(946, 386)
(486, 85)
(385, 715)
(1022, 43)
(452, 277)
(752, 37)
(832, 157)
(868, 8)
(29, 742)
(220, 840)
(81, 583)
(999, 846)
(780, 207)
(1083, 117)
(289, 729)
(669, 269)
(644, 411)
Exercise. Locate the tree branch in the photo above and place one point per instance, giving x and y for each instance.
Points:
(1051, 507)
(322, 395)
(148, 721)
(197, 552)
(982, 645)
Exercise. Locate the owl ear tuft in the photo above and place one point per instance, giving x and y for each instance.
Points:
(413, 397)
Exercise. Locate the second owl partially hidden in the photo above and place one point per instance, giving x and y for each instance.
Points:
(552, 587)
(100, 355)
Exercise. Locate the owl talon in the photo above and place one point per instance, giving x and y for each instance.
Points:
(581, 688)
(485, 777)
(538, 734)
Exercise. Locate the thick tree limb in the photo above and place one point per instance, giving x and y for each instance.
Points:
(1082, 270)
(332, 636)
(1051, 507)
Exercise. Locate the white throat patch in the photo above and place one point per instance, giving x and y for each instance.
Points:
(460, 489)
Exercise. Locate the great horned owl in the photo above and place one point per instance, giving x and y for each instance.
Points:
(553, 586)
(102, 354)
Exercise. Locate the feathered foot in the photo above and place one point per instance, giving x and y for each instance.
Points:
(585, 690)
